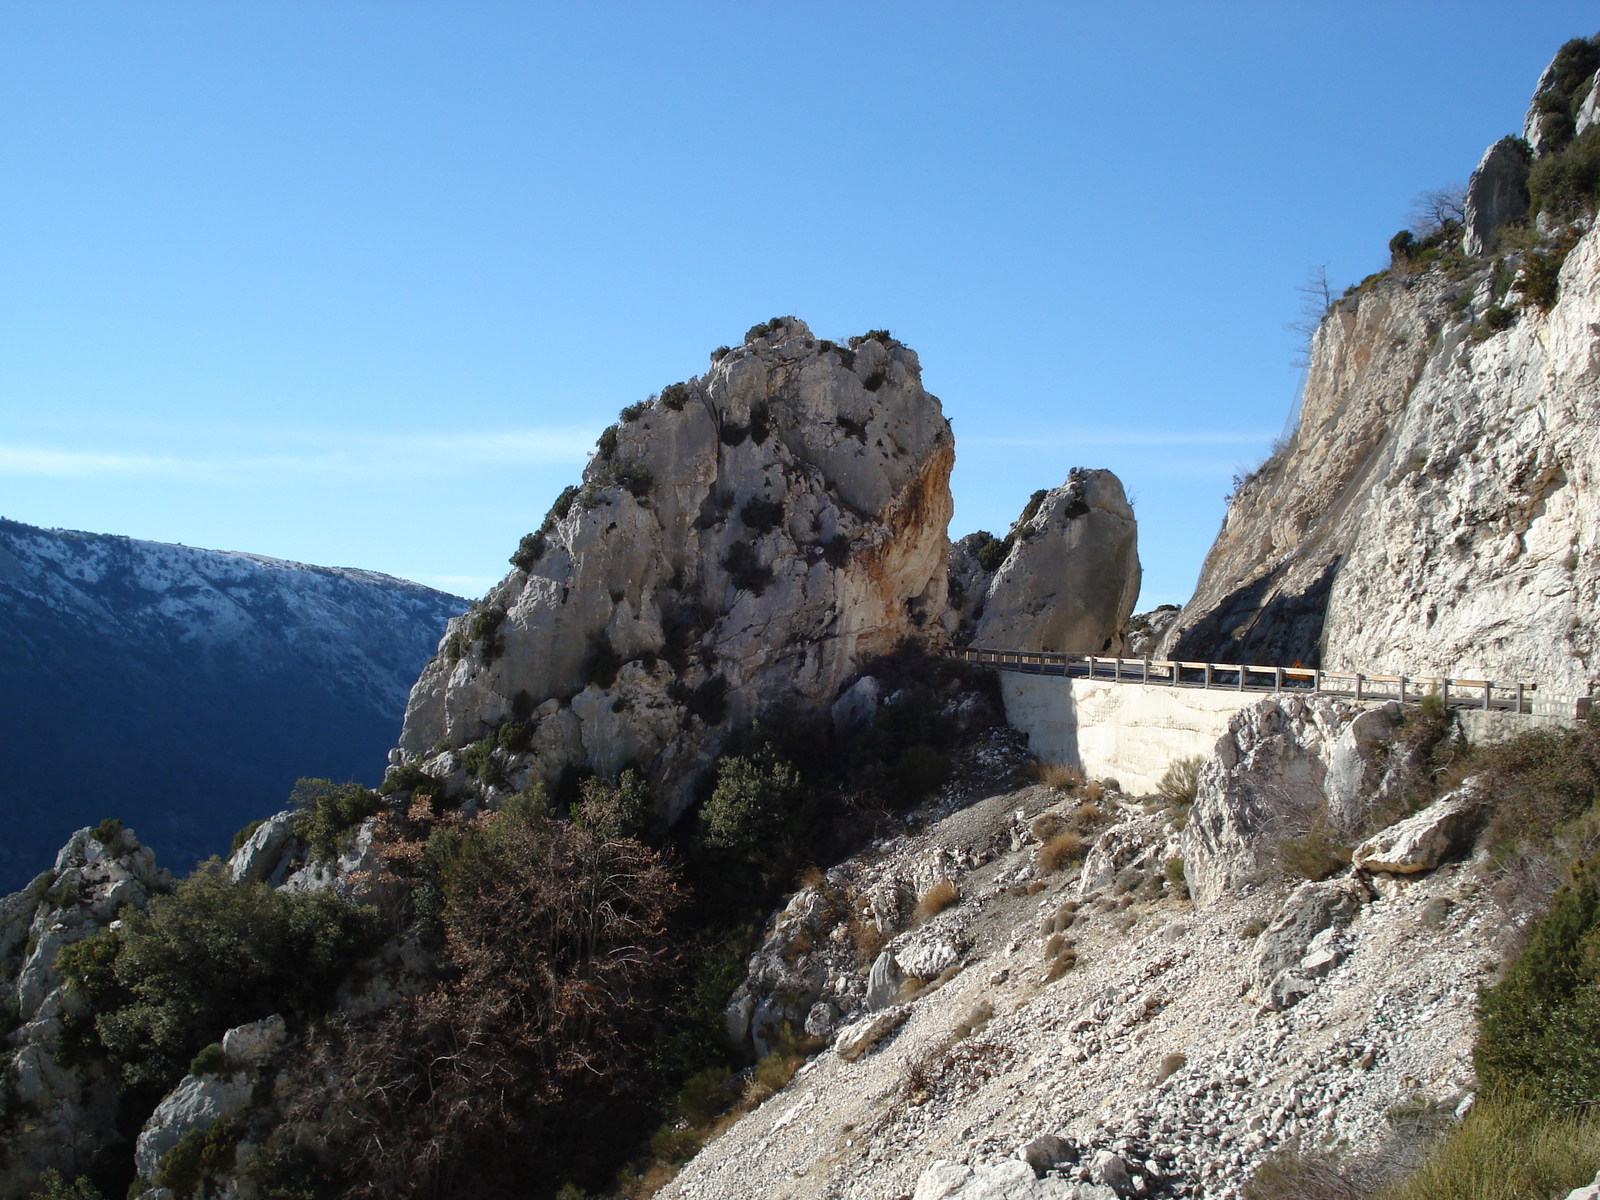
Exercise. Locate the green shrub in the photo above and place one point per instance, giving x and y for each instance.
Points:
(764, 329)
(213, 955)
(1315, 854)
(745, 569)
(107, 832)
(992, 553)
(761, 515)
(634, 478)
(613, 811)
(327, 811)
(705, 1095)
(484, 628)
(836, 552)
(210, 1061)
(873, 335)
(1181, 780)
(53, 1186)
(760, 423)
(674, 1145)
(1539, 1028)
(633, 412)
(478, 760)
(675, 395)
(1506, 1149)
(1538, 783)
(1031, 508)
(529, 551)
(1402, 244)
(606, 445)
(407, 777)
(1540, 279)
(754, 805)
(1564, 183)
(199, 1153)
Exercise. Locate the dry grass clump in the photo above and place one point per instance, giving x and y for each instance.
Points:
(1315, 854)
(1087, 815)
(910, 988)
(1094, 791)
(1063, 918)
(1181, 781)
(936, 899)
(1058, 776)
(1046, 825)
(1064, 961)
(869, 940)
(1506, 1149)
(1063, 848)
(1293, 1174)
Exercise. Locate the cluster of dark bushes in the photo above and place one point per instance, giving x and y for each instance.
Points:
(532, 547)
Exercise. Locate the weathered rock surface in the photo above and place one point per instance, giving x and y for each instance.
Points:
(196, 1103)
(1435, 513)
(1263, 783)
(741, 545)
(1497, 194)
(1176, 1053)
(1423, 841)
(66, 1115)
(1072, 576)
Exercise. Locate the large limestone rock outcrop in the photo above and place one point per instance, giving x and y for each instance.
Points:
(741, 542)
(1436, 512)
(1497, 194)
(64, 1113)
(1070, 578)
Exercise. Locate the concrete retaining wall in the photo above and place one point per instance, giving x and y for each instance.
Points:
(1127, 732)
(1133, 732)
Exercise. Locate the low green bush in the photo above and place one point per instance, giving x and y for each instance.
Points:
(54, 1186)
(764, 329)
(1565, 183)
(107, 832)
(633, 412)
(761, 515)
(614, 810)
(199, 1154)
(1181, 780)
(173, 978)
(992, 553)
(755, 810)
(210, 1061)
(873, 335)
(1539, 1028)
(243, 836)
(606, 444)
(1315, 854)
(745, 569)
(327, 811)
(634, 478)
(676, 395)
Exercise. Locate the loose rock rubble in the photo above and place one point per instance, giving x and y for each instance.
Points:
(1176, 1049)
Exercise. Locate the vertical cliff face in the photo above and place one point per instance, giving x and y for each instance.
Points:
(738, 544)
(1435, 512)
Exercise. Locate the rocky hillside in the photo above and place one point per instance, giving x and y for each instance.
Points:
(1433, 513)
(185, 690)
(739, 544)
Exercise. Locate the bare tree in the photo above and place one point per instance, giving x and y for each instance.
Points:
(1434, 209)
(1316, 298)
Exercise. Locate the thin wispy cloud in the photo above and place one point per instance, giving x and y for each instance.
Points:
(1130, 437)
(343, 456)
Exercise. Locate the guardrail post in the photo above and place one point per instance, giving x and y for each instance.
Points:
(1119, 668)
(1444, 692)
(1277, 679)
(1359, 678)
(1146, 669)
(1208, 674)
(1402, 689)
(1488, 691)
(1316, 682)
(1519, 697)
(1091, 666)
(1243, 670)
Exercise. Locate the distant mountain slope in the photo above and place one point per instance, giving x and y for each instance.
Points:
(184, 690)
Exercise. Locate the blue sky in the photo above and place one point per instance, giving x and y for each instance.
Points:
(359, 284)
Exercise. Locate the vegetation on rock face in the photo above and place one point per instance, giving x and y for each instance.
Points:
(170, 980)
(327, 811)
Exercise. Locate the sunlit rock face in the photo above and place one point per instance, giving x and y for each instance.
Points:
(739, 544)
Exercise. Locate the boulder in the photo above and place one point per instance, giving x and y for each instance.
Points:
(858, 706)
(1047, 1153)
(883, 982)
(259, 858)
(196, 1103)
(856, 1039)
(251, 1044)
(1283, 948)
(1358, 762)
(735, 547)
(1072, 575)
(1423, 841)
(1262, 783)
(1497, 194)
(1006, 1180)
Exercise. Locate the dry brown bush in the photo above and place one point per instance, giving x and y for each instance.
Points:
(1087, 816)
(869, 940)
(1060, 850)
(936, 899)
(1094, 791)
(1060, 777)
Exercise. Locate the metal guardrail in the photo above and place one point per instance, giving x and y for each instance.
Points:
(1456, 693)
